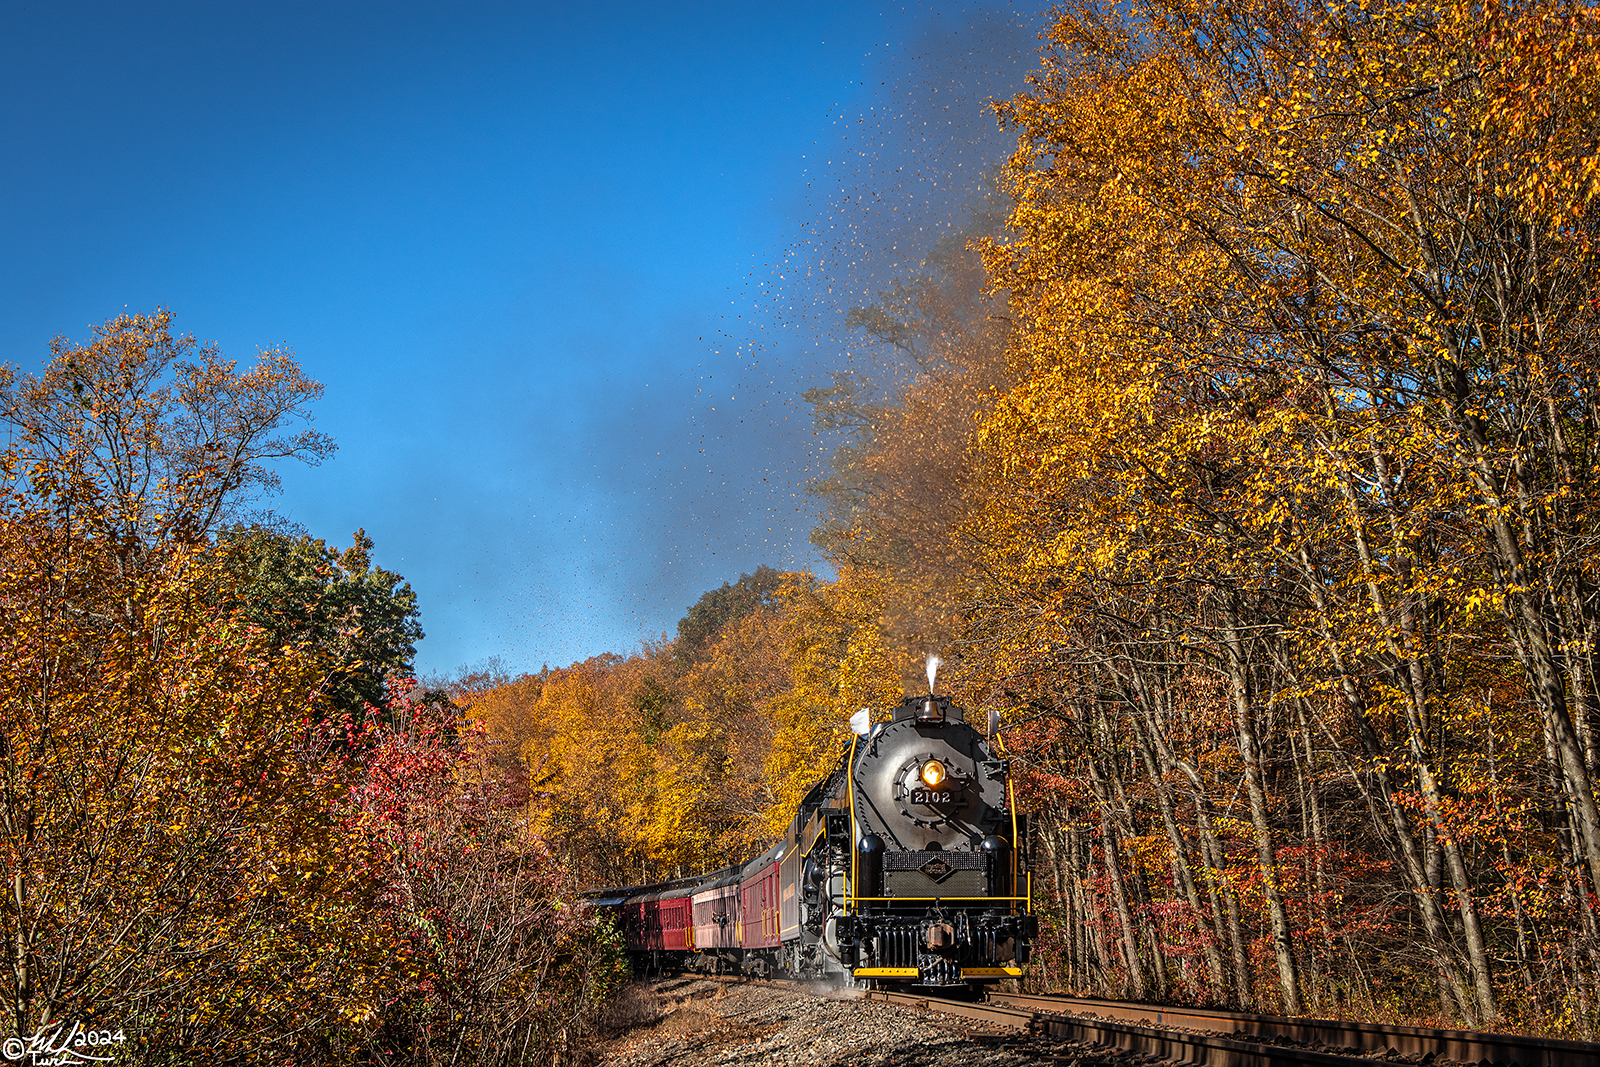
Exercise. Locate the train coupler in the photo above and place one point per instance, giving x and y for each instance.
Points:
(938, 971)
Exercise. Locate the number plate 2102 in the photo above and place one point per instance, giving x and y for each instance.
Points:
(931, 796)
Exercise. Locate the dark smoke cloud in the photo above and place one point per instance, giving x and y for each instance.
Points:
(694, 472)
(909, 161)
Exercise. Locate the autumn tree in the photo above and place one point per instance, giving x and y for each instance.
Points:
(498, 964)
(719, 607)
(362, 618)
(210, 843)
(658, 763)
(590, 762)
(1302, 391)
(177, 859)
(173, 437)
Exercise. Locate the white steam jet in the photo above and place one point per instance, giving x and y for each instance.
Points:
(933, 670)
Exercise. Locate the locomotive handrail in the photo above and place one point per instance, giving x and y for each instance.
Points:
(850, 791)
(1012, 899)
(1016, 844)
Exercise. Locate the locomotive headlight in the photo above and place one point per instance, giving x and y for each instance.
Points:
(933, 774)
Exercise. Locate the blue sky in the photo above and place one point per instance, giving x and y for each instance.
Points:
(564, 269)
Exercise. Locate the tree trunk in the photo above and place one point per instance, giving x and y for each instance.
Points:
(1378, 761)
(1244, 989)
(1082, 866)
(1180, 860)
(1250, 751)
(1119, 892)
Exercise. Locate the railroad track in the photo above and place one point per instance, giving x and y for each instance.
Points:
(1236, 1039)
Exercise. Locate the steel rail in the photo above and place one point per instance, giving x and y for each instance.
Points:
(1236, 1039)
(1174, 1045)
(1466, 1046)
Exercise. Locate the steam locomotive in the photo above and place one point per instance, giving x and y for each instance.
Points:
(907, 865)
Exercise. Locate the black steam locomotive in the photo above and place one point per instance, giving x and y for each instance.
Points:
(907, 865)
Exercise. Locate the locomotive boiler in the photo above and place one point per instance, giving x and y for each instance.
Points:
(907, 865)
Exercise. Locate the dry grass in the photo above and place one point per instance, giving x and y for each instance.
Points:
(636, 1006)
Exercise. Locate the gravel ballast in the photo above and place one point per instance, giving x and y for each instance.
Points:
(697, 1022)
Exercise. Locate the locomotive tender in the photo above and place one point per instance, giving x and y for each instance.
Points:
(907, 865)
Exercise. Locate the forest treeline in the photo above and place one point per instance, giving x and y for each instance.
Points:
(1242, 454)
(234, 831)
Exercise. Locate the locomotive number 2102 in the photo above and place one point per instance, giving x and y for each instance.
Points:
(931, 796)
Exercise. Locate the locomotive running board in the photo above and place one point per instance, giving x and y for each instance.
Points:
(912, 972)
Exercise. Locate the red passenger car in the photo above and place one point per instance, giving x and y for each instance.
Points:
(659, 920)
(759, 891)
(716, 918)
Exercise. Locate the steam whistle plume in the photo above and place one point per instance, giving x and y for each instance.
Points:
(933, 670)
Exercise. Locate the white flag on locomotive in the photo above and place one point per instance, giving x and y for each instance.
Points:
(861, 721)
